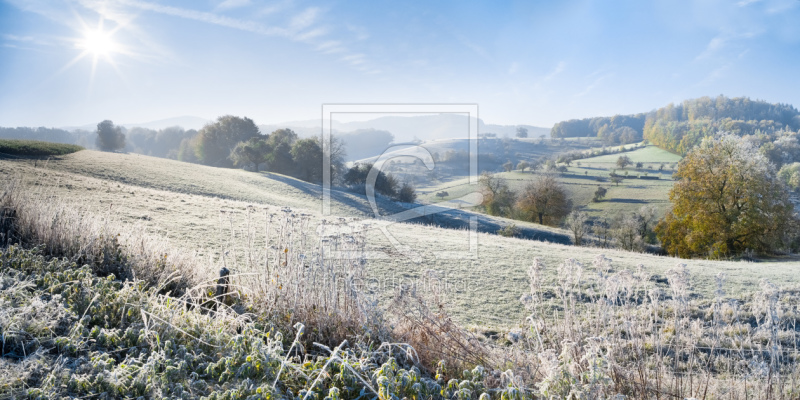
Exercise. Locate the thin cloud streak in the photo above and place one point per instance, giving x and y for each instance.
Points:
(232, 4)
(209, 18)
(556, 71)
(305, 19)
(593, 85)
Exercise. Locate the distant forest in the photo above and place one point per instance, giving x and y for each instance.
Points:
(774, 128)
(163, 143)
(54, 135)
(176, 143)
(619, 129)
(679, 128)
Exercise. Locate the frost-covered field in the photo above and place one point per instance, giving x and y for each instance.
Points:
(181, 202)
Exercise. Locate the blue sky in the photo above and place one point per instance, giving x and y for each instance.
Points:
(527, 62)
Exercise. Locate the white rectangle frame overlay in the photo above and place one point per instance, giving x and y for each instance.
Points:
(471, 110)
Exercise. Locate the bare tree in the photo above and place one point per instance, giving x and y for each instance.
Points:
(337, 153)
(544, 199)
(625, 230)
(577, 223)
(623, 161)
(602, 230)
(498, 199)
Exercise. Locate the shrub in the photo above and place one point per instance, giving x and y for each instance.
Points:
(509, 231)
(599, 194)
(407, 193)
(356, 179)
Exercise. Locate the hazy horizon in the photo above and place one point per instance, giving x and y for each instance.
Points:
(76, 62)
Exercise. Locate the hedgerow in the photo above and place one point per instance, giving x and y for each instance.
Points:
(35, 148)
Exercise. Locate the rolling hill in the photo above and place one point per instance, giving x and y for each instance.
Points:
(182, 203)
(407, 128)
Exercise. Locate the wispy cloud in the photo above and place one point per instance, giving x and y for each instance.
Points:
(354, 59)
(743, 3)
(721, 42)
(26, 42)
(306, 25)
(16, 38)
(713, 46)
(312, 34)
(303, 27)
(781, 6)
(305, 19)
(556, 71)
(330, 47)
(209, 18)
(231, 4)
(594, 84)
(359, 31)
(477, 49)
(273, 8)
(714, 75)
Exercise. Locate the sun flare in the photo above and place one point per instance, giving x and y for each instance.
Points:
(98, 43)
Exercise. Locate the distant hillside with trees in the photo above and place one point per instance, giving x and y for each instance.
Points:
(619, 129)
(774, 129)
(679, 128)
(53, 135)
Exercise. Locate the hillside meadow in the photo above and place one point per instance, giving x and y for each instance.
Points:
(182, 203)
(452, 159)
(584, 176)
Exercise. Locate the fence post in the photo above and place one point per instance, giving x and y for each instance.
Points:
(222, 285)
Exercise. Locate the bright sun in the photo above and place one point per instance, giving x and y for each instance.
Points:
(98, 43)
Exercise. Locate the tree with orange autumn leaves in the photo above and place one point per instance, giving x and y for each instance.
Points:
(727, 200)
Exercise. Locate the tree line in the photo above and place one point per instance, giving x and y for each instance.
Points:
(774, 129)
(619, 129)
(236, 142)
(680, 127)
(53, 135)
(229, 142)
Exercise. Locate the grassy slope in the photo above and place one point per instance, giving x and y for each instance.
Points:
(582, 182)
(649, 154)
(182, 202)
(502, 150)
(631, 193)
